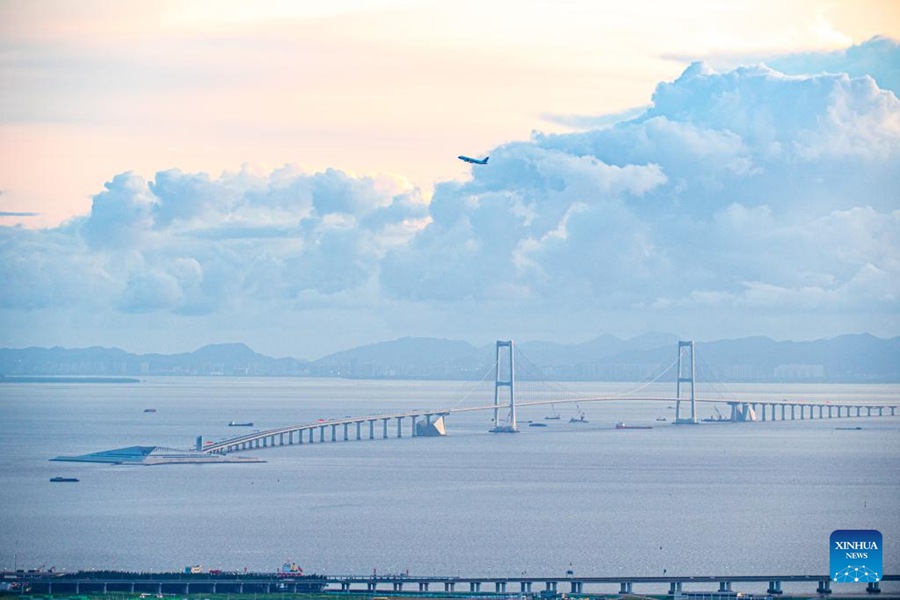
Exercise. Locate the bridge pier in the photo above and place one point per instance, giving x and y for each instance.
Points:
(398, 586)
(824, 586)
(423, 586)
(346, 428)
(413, 417)
(675, 587)
(448, 586)
(551, 586)
(385, 423)
(370, 586)
(874, 587)
(525, 587)
(626, 587)
(334, 433)
(358, 430)
(500, 587)
(764, 411)
(724, 586)
(474, 586)
(322, 434)
(577, 587)
(399, 427)
(371, 429)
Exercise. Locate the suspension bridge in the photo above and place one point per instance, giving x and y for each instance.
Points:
(431, 422)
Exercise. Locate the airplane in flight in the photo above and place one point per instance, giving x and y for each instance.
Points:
(474, 161)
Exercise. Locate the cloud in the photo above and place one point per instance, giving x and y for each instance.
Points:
(737, 203)
(878, 58)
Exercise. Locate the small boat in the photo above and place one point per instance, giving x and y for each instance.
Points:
(537, 424)
(554, 416)
(848, 428)
(236, 424)
(662, 419)
(580, 418)
(149, 410)
(63, 479)
(622, 425)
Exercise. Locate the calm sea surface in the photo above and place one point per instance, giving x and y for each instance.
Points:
(755, 498)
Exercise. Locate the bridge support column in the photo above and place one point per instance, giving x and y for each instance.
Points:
(675, 587)
(370, 586)
(626, 587)
(334, 433)
(505, 377)
(423, 586)
(577, 587)
(782, 412)
(399, 427)
(792, 411)
(345, 586)
(474, 586)
(821, 411)
(724, 586)
(346, 427)
(525, 587)
(371, 429)
(322, 433)
(551, 586)
(874, 587)
(774, 587)
(448, 586)
(868, 411)
(384, 434)
(824, 586)
(500, 587)
(685, 375)
(413, 417)
(398, 586)
(358, 430)
(764, 412)
(859, 411)
(880, 411)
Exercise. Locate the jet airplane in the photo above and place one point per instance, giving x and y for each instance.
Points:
(474, 161)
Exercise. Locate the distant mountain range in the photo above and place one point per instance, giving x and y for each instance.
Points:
(848, 358)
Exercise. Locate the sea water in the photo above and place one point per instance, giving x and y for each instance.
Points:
(711, 499)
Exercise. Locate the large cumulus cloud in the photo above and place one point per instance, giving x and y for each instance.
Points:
(748, 191)
(747, 197)
(189, 244)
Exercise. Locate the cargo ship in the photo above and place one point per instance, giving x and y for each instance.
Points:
(63, 479)
(621, 425)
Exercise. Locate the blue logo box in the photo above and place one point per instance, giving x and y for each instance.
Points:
(856, 555)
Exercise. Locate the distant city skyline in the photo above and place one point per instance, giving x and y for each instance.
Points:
(284, 174)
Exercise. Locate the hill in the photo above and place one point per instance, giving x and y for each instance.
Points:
(849, 358)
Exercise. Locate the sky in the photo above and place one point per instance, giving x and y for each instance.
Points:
(284, 174)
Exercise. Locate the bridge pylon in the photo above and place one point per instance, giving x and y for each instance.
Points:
(505, 376)
(686, 374)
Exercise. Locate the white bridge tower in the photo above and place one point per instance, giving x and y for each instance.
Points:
(685, 375)
(505, 378)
